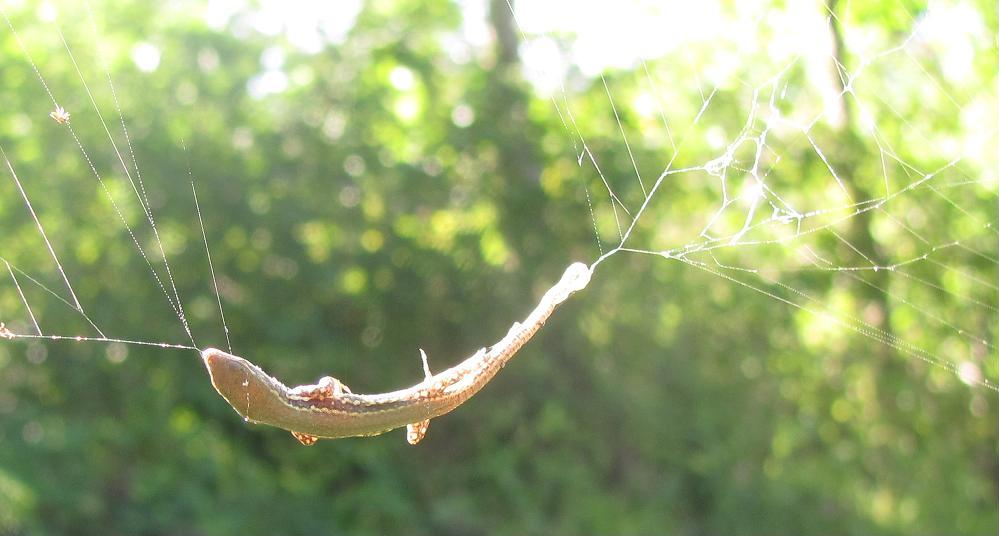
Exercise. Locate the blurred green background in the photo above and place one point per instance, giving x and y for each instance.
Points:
(407, 178)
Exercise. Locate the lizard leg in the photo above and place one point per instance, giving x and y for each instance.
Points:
(416, 430)
(305, 439)
(426, 366)
(328, 387)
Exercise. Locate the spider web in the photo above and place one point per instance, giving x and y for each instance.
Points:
(794, 225)
(839, 170)
(912, 229)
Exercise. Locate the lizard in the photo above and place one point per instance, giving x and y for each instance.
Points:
(328, 409)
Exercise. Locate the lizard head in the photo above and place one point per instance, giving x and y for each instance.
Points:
(223, 367)
(240, 382)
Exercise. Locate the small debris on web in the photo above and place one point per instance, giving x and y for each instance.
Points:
(60, 115)
(5, 333)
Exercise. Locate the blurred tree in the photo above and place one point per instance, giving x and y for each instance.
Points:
(401, 188)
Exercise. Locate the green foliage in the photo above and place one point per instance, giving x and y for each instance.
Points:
(396, 196)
